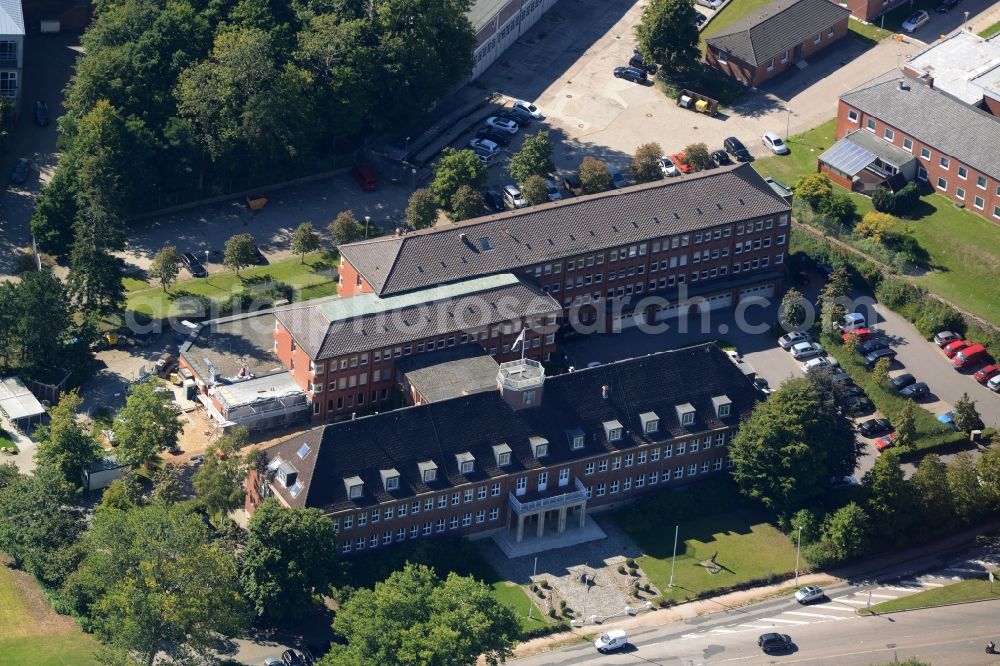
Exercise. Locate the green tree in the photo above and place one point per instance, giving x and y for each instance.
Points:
(793, 311)
(880, 373)
(813, 188)
(413, 612)
(790, 447)
(239, 252)
(697, 155)
(290, 557)
(810, 524)
(831, 302)
(219, 479)
(168, 486)
(839, 206)
(988, 472)
(851, 343)
(534, 158)
(305, 240)
(55, 210)
(465, 203)
(967, 492)
(646, 163)
(165, 267)
(890, 501)
(883, 200)
(454, 169)
(63, 443)
(930, 486)
(847, 529)
(595, 176)
(668, 35)
(422, 209)
(43, 321)
(123, 494)
(906, 427)
(345, 228)
(147, 425)
(877, 226)
(967, 416)
(153, 579)
(535, 190)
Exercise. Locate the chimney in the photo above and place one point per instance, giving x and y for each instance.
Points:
(463, 237)
(604, 392)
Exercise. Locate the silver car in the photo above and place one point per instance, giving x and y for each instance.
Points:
(804, 350)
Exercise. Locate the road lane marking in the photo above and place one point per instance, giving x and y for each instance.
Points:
(778, 619)
(835, 607)
(962, 570)
(892, 596)
(925, 582)
(852, 601)
(817, 615)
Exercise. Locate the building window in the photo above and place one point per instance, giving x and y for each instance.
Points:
(829, 32)
(494, 513)
(616, 463)
(629, 460)
(944, 162)
(614, 487)
(428, 528)
(979, 203)
(679, 473)
(960, 193)
(942, 184)
(614, 434)
(981, 182)
(495, 490)
(692, 469)
(414, 531)
(346, 548)
(654, 455)
(888, 134)
(443, 502)
(688, 418)
(668, 451)
(819, 37)
(963, 173)
(469, 494)
(362, 519)
(925, 154)
(908, 145)
(600, 489)
(921, 174)
(770, 65)
(481, 494)
(627, 484)
(642, 458)
(870, 124)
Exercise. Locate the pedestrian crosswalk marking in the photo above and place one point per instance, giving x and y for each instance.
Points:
(778, 619)
(889, 596)
(816, 615)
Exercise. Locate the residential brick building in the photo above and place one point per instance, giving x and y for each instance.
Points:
(11, 51)
(774, 38)
(868, 10)
(530, 458)
(954, 143)
(500, 23)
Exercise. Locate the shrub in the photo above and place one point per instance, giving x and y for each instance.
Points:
(813, 188)
(883, 200)
(534, 588)
(552, 613)
(541, 594)
(897, 294)
(544, 583)
(647, 587)
(630, 563)
(621, 569)
(936, 316)
(876, 226)
(907, 197)
(840, 206)
(562, 604)
(633, 572)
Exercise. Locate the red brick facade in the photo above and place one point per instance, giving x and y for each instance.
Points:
(866, 10)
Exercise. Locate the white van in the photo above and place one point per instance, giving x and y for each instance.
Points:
(852, 322)
(612, 640)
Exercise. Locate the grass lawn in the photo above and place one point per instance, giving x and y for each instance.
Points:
(990, 31)
(867, 32)
(730, 14)
(748, 548)
(804, 149)
(317, 274)
(514, 596)
(967, 590)
(31, 632)
(7, 442)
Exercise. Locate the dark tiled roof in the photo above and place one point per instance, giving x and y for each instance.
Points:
(563, 229)
(932, 117)
(476, 423)
(776, 28)
(450, 373)
(365, 322)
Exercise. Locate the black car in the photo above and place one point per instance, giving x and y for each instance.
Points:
(193, 265)
(41, 113)
(774, 642)
(872, 345)
(721, 158)
(946, 5)
(699, 18)
(735, 147)
(291, 658)
(914, 391)
(826, 270)
(633, 74)
(902, 381)
(859, 405)
(519, 116)
(637, 61)
(499, 138)
(872, 427)
(878, 355)
(21, 171)
(493, 201)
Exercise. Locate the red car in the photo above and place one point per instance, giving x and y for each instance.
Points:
(365, 177)
(681, 162)
(953, 348)
(985, 374)
(886, 442)
(863, 334)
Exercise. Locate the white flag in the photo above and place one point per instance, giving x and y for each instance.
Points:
(520, 338)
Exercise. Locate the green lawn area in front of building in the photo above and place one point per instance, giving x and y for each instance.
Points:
(730, 14)
(7, 442)
(990, 31)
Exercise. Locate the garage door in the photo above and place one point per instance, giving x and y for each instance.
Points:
(762, 291)
(629, 321)
(718, 302)
(669, 312)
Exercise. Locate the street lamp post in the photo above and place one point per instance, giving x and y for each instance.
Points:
(673, 561)
(367, 220)
(798, 549)
(406, 148)
(788, 122)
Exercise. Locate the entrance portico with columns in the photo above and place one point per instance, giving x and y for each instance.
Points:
(553, 518)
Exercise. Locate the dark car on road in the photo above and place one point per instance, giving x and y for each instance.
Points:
(519, 116)
(193, 265)
(872, 427)
(41, 113)
(499, 138)
(720, 158)
(633, 74)
(873, 345)
(21, 171)
(774, 642)
(637, 61)
(879, 354)
(902, 381)
(946, 6)
(493, 201)
(914, 391)
(735, 147)
(858, 405)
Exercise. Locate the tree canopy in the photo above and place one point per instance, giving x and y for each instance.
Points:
(668, 35)
(63, 443)
(465, 203)
(421, 211)
(238, 253)
(454, 169)
(595, 176)
(166, 266)
(534, 158)
(305, 240)
(147, 425)
(646, 163)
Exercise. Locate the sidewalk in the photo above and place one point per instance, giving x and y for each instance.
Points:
(896, 565)
(985, 18)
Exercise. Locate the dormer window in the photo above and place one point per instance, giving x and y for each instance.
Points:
(650, 422)
(390, 479)
(355, 487)
(428, 471)
(466, 462)
(723, 406)
(613, 430)
(539, 446)
(575, 439)
(502, 454)
(286, 474)
(685, 414)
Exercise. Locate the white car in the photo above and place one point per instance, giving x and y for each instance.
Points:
(484, 145)
(529, 108)
(612, 640)
(809, 594)
(554, 193)
(786, 341)
(804, 350)
(916, 20)
(513, 198)
(994, 384)
(502, 124)
(668, 168)
(774, 143)
(821, 362)
(711, 4)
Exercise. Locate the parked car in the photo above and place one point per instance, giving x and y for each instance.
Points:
(817, 363)
(969, 357)
(572, 183)
(948, 419)
(955, 346)
(512, 196)
(885, 442)
(994, 384)
(735, 147)
(618, 179)
(789, 339)
(528, 108)
(554, 193)
(864, 334)
(519, 116)
(615, 639)
(497, 137)
(291, 658)
(878, 355)
(41, 113)
(667, 167)
(914, 391)
(637, 61)
(720, 158)
(810, 594)
(774, 143)
(900, 382)
(484, 145)
(493, 201)
(21, 171)
(852, 321)
(916, 20)
(680, 161)
(761, 385)
(484, 156)
(804, 350)
(699, 18)
(874, 344)
(272, 661)
(986, 373)
(502, 124)
(946, 5)
(633, 74)
(858, 405)
(942, 338)
(872, 427)
(365, 176)
(711, 4)
(193, 265)
(774, 642)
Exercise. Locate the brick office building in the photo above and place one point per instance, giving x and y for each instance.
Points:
(700, 242)
(774, 38)
(868, 10)
(529, 458)
(954, 143)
